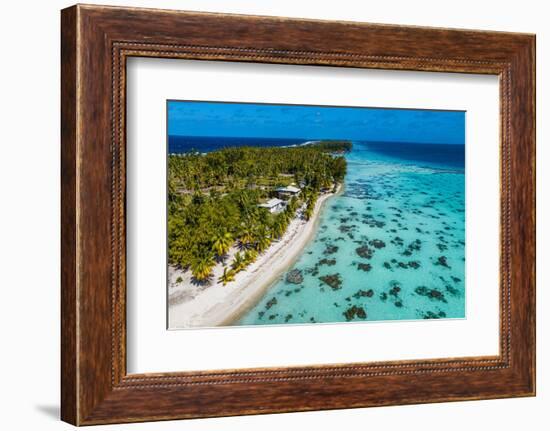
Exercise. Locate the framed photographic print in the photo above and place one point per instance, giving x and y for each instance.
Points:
(266, 215)
(295, 211)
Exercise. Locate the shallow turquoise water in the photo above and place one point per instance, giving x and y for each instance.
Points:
(393, 243)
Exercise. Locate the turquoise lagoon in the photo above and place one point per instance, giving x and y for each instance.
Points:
(391, 246)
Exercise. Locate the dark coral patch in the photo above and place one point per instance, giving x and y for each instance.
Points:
(294, 276)
(271, 303)
(377, 243)
(364, 266)
(434, 315)
(328, 262)
(433, 294)
(330, 249)
(355, 311)
(363, 294)
(365, 251)
(452, 290)
(333, 280)
(442, 261)
(395, 289)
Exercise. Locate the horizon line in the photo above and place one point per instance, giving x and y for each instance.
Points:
(314, 139)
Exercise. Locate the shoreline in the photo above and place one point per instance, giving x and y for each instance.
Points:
(199, 306)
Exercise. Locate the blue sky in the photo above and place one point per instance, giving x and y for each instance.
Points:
(315, 122)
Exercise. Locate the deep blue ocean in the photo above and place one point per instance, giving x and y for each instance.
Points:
(430, 154)
(395, 238)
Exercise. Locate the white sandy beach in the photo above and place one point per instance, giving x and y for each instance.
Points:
(191, 305)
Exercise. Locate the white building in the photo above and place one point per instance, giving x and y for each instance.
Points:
(273, 205)
(288, 191)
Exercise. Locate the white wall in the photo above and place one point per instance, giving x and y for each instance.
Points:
(29, 227)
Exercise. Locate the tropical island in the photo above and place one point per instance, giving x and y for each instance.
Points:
(237, 218)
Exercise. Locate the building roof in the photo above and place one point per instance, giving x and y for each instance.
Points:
(272, 203)
(289, 189)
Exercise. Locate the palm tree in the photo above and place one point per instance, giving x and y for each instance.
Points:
(264, 241)
(247, 236)
(286, 217)
(308, 212)
(292, 206)
(250, 256)
(221, 243)
(201, 268)
(279, 228)
(238, 263)
(227, 276)
(310, 206)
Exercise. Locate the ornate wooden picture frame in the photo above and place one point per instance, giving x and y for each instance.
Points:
(96, 41)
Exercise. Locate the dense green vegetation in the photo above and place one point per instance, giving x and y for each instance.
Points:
(213, 200)
(333, 146)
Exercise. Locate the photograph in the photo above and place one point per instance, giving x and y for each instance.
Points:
(299, 214)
